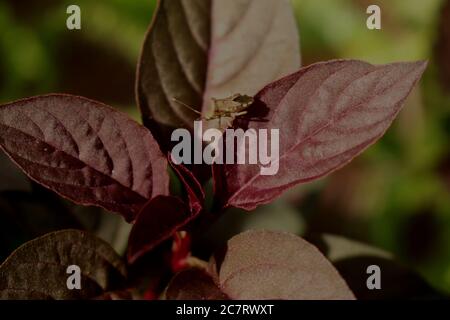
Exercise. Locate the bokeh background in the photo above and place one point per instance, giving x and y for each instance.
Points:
(396, 196)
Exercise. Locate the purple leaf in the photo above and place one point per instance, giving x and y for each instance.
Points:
(38, 269)
(276, 265)
(157, 222)
(194, 189)
(193, 284)
(199, 49)
(262, 265)
(163, 216)
(327, 114)
(84, 151)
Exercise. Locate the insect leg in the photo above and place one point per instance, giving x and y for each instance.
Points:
(186, 106)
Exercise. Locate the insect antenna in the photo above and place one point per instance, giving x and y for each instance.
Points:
(186, 106)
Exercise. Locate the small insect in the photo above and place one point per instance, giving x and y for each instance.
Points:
(225, 110)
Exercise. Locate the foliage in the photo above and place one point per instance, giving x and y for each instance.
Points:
(328, 113)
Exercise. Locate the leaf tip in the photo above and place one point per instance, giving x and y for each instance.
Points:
(422, 65)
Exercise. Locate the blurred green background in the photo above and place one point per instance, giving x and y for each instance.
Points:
(395, 196)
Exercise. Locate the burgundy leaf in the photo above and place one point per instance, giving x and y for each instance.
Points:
(199, 49)
(38, 269)
(163, 216)
(276, 265)
(193, 284)
(194, 189)
(157, 222)
(327, 114)
(85, 151)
